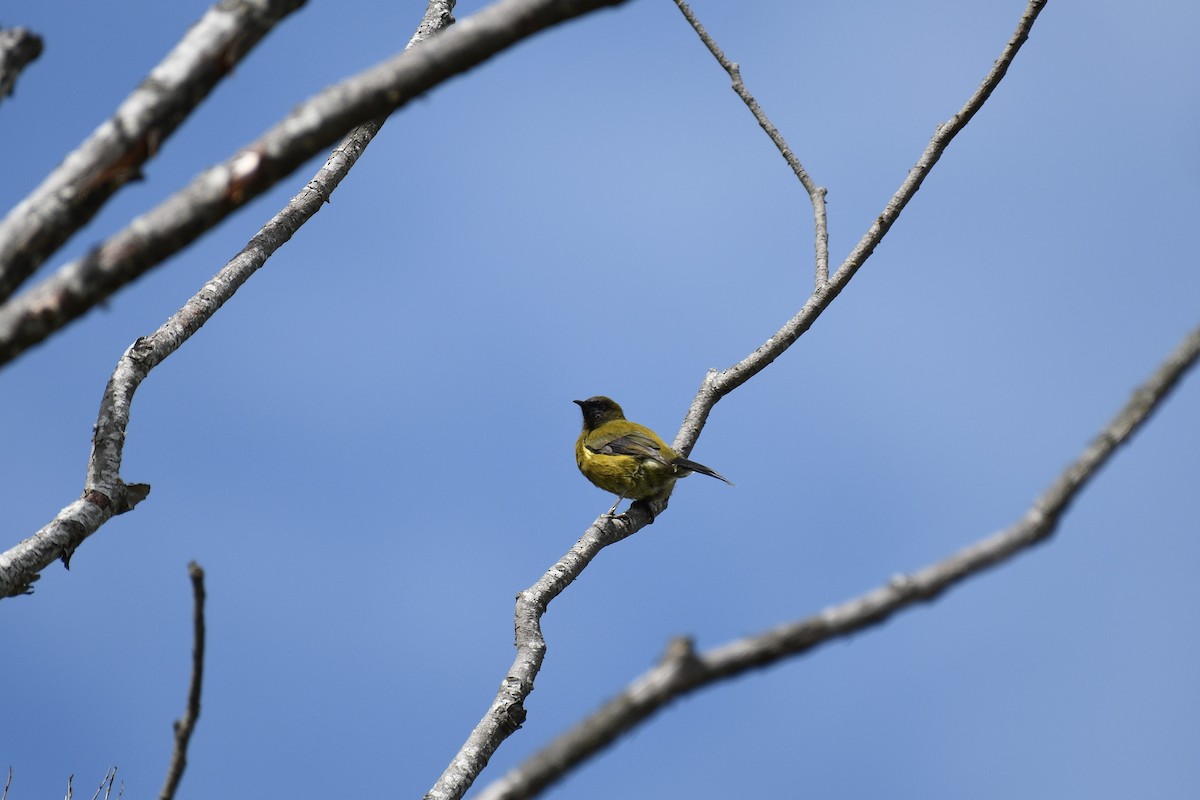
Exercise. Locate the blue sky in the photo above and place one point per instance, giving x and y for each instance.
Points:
(369, 449)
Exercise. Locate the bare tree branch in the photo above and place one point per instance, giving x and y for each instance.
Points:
(507, 711)
(7, 784)
(220, 190)
(815, 193)
(106, 784)
(18, 47)
(942, 137)
(718, 384)
(104, 491)
(185, 726)
(21, 565)
(683, 671)
(115, 152)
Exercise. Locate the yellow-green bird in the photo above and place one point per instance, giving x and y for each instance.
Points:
(626, 458)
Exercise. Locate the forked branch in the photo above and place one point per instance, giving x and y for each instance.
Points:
(718, 384)
(816, 194)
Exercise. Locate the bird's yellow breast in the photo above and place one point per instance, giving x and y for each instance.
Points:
(627, 476)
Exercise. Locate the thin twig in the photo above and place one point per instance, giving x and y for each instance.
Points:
(114, 153)
(684, 671)
(105, 492)
(7, 784)
(106, 783)
(220, 190)
(18, 47)
(185, 726)
(718, 384)
(815, 193)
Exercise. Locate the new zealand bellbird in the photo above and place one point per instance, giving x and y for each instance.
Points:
(628, 459)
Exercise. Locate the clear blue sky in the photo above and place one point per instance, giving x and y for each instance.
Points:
(369, 449)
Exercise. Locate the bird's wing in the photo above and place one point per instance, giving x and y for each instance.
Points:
(629, 444)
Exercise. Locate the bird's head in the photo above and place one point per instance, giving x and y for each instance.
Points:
(598, 410)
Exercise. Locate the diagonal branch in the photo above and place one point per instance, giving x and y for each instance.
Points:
(942, 137)
(220, 190)
(682, 671)
(114, 153)
(815, 193)
(105, 491)
(507, 711)
(185, 726)
(718, 384)
(18, 47)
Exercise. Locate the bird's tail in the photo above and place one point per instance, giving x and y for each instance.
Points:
(692, 466)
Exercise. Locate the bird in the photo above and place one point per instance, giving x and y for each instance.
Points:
(626, 458)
